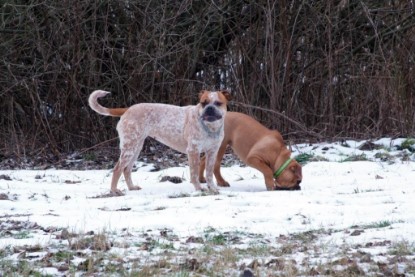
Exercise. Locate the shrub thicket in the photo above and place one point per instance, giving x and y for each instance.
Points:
(311, 69)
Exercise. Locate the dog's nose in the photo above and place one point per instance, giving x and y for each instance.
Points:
(210, 110)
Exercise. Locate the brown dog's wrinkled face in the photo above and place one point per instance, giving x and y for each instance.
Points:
(290, 178)
(213, 108)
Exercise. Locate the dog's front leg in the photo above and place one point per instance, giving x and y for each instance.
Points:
(194, 158)
(265, 169)
(210, 163)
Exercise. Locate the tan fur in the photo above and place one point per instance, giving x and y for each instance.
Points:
(258, 147)
(191, 129)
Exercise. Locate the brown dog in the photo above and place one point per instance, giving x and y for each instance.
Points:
(191, 129)
(260, 148)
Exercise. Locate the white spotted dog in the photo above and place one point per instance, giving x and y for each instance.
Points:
(191, 129)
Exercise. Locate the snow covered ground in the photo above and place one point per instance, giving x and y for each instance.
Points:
(353, 197)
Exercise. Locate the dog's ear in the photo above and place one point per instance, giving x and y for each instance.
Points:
(227, 94)
(298, 170)
(201, 93)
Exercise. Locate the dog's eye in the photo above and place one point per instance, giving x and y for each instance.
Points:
(217, 103)
(204, 103)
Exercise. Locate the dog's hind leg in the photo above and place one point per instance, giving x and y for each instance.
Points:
(129, 167)
(130, 149)
(115, 177)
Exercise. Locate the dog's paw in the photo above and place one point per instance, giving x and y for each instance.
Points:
(134, 188)
(213, 190)
(198, 187)
(224, 184)
(204, 192)
(116, 192)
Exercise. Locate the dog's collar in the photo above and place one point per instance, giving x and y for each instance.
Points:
(282, 168)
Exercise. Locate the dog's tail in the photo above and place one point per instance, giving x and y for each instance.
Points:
(93, 103)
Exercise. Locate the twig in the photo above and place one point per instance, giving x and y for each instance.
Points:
(296, 123)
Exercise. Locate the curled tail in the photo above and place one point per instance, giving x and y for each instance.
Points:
(93, 103)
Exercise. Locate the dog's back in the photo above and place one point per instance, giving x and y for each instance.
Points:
(242, 132)
(163, 122)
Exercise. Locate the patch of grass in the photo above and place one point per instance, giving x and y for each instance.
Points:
(303, 158)
(182, 274)
(19, 268)
(408, 144)
(229, 254)
(172, 179)
(319, 159)
(63, 256)
(383, 156)
(113, 265)
(218, 239)
(373, 190)
(357, 190)
(307, 236)
(152, 244)
(220, 253)
(197, 194)
(355, 158)
(90, 156)
(256, 249)
(214, 237)
(375, 225)
(6, 251)
(22, 235)
(402, 248)
(206, 193)
(97, 242)
(208, 249)
(90, 263)
(179, 195)
(404, 156)
(382, 224)
(347, 267)
(165, 245)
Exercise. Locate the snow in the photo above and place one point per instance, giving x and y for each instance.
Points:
(336, 195)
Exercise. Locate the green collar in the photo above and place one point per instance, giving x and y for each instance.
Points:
(282, 168)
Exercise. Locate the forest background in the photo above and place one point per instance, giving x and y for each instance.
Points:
(311, 69)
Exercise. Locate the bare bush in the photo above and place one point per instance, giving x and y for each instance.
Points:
(312, 69)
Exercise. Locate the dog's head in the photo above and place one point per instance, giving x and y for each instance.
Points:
(288, 174)
(213, 108)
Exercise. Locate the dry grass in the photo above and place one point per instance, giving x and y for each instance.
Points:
(213, 253)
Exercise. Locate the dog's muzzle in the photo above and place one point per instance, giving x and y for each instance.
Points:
(211, 114)
(296, 187)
